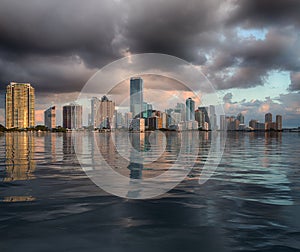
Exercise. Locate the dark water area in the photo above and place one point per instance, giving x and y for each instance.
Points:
(251, 203)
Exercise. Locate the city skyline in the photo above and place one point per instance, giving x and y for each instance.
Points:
(161, 125)
(249, 52)
(103, 114)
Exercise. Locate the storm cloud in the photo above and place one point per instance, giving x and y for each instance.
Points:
(58, 45)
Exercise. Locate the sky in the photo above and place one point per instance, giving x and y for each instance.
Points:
(249, 49)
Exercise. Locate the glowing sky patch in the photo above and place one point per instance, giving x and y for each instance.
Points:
(258, 34)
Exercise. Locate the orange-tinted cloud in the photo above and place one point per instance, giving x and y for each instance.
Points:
(264, 108)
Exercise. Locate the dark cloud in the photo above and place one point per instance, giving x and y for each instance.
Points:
(262, 13)
(57, 27)
(185, 29)
(295, 81)
(58, 45)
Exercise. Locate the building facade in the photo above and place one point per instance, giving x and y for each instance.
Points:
(204, 110)
(279, 122)
(200, 118)
(105, 113)
(190, 109)
(137, 125)
(136, 96)
(128, 119)
(50, 117)
(268, 118)
(212, 117)
(223, 123)
(94, 122)
(241, 118)
(19, 106)
(72, 116)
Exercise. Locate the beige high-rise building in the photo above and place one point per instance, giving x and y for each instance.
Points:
(19, 106)
(105, 113)
(279, 122)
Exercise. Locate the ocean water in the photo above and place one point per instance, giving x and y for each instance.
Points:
(250, 203)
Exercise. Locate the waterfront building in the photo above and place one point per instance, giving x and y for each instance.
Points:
(128, 119)
(261, 126)
(180, 108)
(147, 110)
(136, 96)
(175, 118)
(232, 123)
(206, 116)
(190, 109)
(212, 117)
(50, 117)
(164, 118)
(94, 120)
(72, 116)
(241, 118)
(279, 122)
(252, 123)
(119, 120)
(200, 118)
(105, 115)
(19, 106)
(223, 123)
(137, 125)
(268, 118)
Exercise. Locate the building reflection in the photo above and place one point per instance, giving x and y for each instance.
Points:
(272, 144)
(20, 163)
(50, 145)
(138, 143)
(18, 198)
(69, 154)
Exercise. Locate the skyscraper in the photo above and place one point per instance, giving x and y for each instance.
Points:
(180, 108)
(241, 118)
(206, 117)
(105, 113)
(128, 119)
(253, 123)
(147, 110)
(268, 118)
(212, 117)
(223, 123)
(190, 109)
(279, 122)
(136, 96)
(199, 117)
(72, 116)
(19, 105)
(94, 108)
(268, 122)
(50, 117)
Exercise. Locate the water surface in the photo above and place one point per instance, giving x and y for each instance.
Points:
(251, 203)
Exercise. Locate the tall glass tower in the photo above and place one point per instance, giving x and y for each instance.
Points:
(136, 96)
(19, 107)
(190, 109)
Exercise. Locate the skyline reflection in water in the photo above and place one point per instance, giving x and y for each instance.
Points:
(251, 203)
